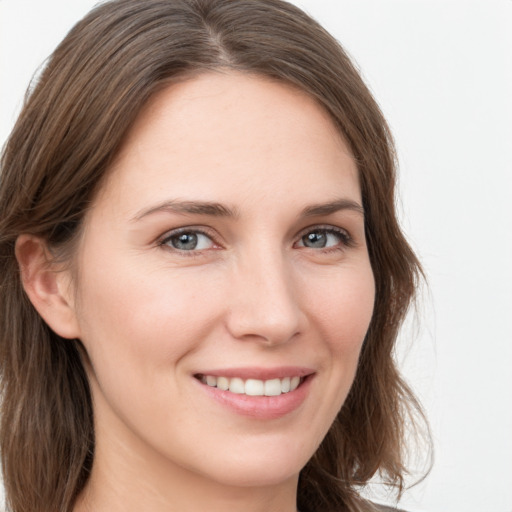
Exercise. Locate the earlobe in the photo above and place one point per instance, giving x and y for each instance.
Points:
(47, 287)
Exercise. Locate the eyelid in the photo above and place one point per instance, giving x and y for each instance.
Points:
(202, 230)
(345, 236)
(347, 239)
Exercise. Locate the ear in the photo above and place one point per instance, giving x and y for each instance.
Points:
(48, 288)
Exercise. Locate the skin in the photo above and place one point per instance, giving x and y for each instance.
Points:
(254, 292)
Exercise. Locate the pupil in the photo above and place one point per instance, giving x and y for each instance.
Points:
(185, 241)
(315, 240)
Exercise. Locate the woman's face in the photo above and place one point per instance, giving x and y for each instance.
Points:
(226, 249)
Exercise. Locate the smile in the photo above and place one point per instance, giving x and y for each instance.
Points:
(259, 393)
(252, 387)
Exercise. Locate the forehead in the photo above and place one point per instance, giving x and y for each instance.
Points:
(233, 135)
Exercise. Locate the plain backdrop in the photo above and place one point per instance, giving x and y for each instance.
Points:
(442, 73)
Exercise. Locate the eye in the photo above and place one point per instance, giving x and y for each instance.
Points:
(325, 238)
(188, 240)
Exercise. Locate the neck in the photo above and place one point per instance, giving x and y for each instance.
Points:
(129, 476)
(135, 488)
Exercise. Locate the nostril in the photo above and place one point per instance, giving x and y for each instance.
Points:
(263, 303)
(271, 328)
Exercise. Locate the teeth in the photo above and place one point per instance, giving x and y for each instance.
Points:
(222, 383)
(253, 387)
(236, 385)
(273, 387)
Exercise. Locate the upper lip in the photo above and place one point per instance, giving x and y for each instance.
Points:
(260, 373)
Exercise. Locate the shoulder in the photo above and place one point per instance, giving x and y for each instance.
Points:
(385, 508)
(369, 506)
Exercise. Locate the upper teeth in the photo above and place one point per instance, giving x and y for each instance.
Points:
(253, 387)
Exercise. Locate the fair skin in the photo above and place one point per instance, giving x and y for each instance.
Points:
(226, 245)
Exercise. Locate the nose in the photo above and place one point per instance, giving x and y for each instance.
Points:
(264, 303)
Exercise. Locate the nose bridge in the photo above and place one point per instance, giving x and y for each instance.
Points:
(264, 305)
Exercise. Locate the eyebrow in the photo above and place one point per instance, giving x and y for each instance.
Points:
(189, 207)
(332, 207)
(220, 210)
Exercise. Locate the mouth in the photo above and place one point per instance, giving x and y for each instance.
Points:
(252, 387)
(257, 392)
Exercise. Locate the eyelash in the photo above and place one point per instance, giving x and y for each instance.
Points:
(346, 241)
(164, 242)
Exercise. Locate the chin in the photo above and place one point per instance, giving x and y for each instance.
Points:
(267, 467)
(274, 473)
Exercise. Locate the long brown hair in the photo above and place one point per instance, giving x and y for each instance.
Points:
(72, 125)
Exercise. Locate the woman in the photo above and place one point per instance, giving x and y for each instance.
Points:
(202, 272)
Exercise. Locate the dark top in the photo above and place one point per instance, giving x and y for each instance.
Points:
(383, 508)
(386, 508)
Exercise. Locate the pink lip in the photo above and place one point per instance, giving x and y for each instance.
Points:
(260, 407)
(278, 372)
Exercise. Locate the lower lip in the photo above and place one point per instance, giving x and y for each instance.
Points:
(261, 407)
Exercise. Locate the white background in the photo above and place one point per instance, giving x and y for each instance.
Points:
(442, 73)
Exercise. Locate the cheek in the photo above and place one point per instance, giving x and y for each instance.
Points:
(343, 315)
(343, 306)
(142, 318)
(138, 333)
